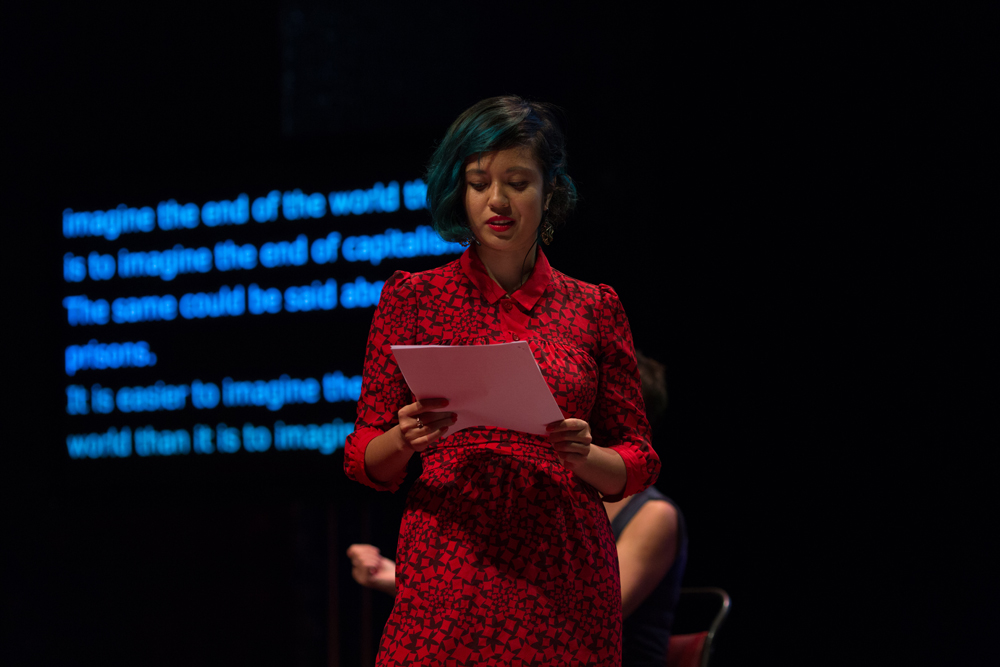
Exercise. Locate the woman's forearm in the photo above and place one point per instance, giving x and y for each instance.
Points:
(603, 469)
(386, 456)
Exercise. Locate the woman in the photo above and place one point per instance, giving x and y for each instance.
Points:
(651, 539)
(505, 553)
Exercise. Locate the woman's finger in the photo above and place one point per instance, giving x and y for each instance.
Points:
(421, 443)
(582, 437)
(570, 438)
(439, 418)
(574, 436)
(575, 430)
(567, 425)
(419, 425)
(425, 405)
(570, 447)
(427, 423)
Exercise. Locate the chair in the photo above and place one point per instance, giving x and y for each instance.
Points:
(697, 609)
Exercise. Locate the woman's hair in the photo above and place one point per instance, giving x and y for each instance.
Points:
(496, 124)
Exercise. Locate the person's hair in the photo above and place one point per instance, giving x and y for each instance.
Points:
(653, 377)
(496, 124)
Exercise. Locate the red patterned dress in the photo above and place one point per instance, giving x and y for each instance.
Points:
(504, 556)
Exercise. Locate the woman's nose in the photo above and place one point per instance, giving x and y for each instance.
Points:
(497, 198)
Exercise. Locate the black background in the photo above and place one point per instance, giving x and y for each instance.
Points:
(789, 203)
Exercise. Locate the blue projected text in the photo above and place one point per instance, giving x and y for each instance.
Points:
(291, 205)
(380, 199)
(227, 302)
(125, 399)
(230, 256)
(165, 264)
(393, 243)
(109, 224)
(203, 439)
(273, 394)
(108, 355)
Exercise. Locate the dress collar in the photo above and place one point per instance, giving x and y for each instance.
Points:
(527, 295)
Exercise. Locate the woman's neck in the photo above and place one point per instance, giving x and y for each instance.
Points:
(507, 269)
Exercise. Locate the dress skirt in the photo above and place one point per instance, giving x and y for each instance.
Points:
(504, 558)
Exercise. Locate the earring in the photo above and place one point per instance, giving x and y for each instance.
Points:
(547, 231)
(469, 239)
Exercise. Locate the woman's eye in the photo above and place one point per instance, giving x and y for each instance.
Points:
(520, 185)
(478, 186)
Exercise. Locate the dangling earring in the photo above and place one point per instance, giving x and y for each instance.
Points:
(547, 231)
(469, 239)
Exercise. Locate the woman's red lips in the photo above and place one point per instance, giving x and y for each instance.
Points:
(500, 223)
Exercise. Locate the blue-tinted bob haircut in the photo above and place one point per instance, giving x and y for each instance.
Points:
(497, 124)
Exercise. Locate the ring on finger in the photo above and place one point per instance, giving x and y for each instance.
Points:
(420, 424)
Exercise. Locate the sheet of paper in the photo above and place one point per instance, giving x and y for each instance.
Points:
(486, 385)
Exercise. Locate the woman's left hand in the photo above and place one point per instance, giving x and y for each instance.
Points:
(601, 467)
(571, 440)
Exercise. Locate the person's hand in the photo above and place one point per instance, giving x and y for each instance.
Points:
(420, 426)
(571, 440)
(371, 569)
(365, 562)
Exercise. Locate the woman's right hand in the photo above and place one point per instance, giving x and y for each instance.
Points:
(420, 425)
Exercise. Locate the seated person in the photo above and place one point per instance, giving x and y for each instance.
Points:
(651, 538)
(371, 569)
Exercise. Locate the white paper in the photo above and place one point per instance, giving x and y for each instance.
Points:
(486, 385)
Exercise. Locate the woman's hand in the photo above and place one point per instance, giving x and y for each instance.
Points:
(571, 440)
(420, 426)
(601, 467)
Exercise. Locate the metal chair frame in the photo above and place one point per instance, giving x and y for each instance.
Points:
(720, 616)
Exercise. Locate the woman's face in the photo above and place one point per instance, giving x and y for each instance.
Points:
(504, 199)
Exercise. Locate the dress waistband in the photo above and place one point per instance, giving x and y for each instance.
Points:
(502, 442)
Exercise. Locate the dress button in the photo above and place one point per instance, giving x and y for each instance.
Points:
(507, 305)
(516, 338)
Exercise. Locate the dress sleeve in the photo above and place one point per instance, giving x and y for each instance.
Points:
(619, 417)
(383, 389)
